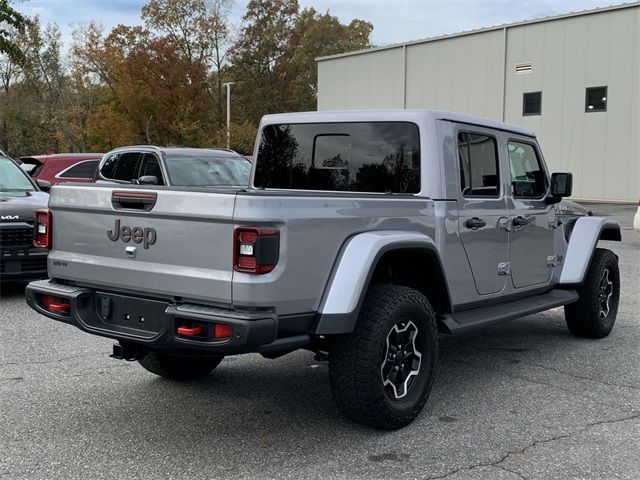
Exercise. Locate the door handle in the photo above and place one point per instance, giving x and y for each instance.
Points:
(475, 223)
(520, 221)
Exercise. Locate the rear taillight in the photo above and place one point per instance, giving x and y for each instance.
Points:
(42, 229)
(255, 249)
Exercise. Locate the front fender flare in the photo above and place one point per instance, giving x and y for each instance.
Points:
(584, 237)
(352, 273)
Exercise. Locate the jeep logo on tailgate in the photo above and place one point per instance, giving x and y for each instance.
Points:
(146, 235)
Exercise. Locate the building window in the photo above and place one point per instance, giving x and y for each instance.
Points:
(532, 103)
(596, 99)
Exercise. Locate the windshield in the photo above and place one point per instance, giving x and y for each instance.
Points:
(208, 169)
(12, 178)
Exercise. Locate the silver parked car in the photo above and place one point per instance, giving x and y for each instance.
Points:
(151, 165)
(363, 234)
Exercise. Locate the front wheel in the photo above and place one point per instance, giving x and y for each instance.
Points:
(381, 373)
(594, 314)
(178, 367)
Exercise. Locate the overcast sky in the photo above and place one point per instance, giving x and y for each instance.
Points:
(393, 20)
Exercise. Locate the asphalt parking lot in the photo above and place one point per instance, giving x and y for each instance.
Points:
(523, 400)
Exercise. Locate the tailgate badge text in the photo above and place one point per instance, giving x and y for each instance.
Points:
(147, 235)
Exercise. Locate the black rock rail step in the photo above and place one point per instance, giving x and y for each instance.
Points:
(480, 317)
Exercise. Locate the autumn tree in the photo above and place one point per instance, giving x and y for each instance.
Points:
(161, 82)
(98, 64)
(149, 83)
(200, 30)
(220, 34)
(12, 25)
(259, 56)
(274, 58)
(32, 90)
(316, 35)
(11, 21)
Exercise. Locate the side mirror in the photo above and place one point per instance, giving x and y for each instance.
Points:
(43, 185)
(148, 180)
(561, 186)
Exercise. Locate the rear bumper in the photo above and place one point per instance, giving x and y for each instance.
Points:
(154, 323)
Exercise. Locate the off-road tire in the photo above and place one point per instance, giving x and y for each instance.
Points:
(177, 367)
(356, 359)
(584, 317)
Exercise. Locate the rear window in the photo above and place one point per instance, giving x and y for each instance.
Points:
(372, 157)
(207, 169)
(83, 169)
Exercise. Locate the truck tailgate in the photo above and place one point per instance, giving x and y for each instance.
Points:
(181, 247)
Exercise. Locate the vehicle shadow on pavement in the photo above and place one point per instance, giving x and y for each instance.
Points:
(11, 290)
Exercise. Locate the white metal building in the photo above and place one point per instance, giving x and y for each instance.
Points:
(574, 79)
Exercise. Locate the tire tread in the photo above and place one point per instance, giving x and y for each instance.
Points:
(582, 317)
(353, 356)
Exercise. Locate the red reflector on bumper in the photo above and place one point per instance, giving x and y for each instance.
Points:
(191, 331)
(59, 307)
(55, 304)
(222, 330)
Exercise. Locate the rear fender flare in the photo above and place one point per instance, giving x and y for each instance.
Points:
(582, 243)
(351, 275)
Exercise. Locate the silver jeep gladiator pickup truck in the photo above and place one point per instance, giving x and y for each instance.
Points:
(363, 235)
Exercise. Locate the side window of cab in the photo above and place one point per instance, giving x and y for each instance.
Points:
(108, 167)
(150, 166)
(121, 167)
(479, 165)
(528, 177)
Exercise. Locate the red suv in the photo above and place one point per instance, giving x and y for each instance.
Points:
(62, 167)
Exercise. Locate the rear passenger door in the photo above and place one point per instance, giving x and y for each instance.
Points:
(482, 208)
(532, 220)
